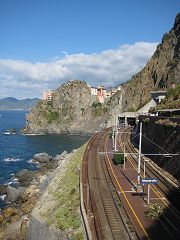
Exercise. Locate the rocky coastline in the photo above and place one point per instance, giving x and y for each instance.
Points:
(25, 193)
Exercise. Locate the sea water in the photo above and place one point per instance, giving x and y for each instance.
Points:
(17, 150)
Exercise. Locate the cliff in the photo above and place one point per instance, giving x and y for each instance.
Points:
(161, 72)
(166, 139)
(74, 110)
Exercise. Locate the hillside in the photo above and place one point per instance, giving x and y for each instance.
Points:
(172, 99)
(74, 110)
(13, 103)
(162, 72)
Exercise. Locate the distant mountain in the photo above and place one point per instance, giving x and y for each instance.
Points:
(11, 103)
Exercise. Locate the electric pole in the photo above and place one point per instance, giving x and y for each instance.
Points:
(139, 159)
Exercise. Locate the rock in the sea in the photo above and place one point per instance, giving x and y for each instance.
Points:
(14, 193)
(3, 189)
(25, 177)
(21, 173)
(42, 158)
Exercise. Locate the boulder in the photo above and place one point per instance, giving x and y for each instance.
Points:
(60, 157)
(14, 193)
(25, 177)
(21, 173)
(48, 166)
(42, 158)
(3, 189)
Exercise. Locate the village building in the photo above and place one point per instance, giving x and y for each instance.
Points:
(47, 95)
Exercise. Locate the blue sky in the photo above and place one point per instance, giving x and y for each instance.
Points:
(38, 33)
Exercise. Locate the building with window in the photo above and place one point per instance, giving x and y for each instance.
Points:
(47, 95)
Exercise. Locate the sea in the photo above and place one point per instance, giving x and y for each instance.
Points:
(17, 150)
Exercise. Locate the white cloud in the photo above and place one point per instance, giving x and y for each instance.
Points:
(25, 79)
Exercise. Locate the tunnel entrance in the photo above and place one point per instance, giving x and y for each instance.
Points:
(131, 121)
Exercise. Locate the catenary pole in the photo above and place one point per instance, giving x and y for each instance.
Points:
(139, 159)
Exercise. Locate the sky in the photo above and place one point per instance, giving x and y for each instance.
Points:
(44, 43)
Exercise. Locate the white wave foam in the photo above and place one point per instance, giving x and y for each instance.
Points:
(15, 180)
(10, 159)
(2, 197)
(30, 161)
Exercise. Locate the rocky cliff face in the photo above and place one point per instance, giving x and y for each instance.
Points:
(160, 73)
(72, 110)
(165, 134)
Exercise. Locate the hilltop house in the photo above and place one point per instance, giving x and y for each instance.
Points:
(47, 95)
(101, 93)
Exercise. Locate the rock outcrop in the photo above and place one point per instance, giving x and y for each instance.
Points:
(70, 111)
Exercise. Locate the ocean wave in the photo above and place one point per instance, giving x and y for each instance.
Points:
(30, 161)
(11, 159)
(12, 182)
(2, 197)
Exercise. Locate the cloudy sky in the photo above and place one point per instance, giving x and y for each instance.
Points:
(47, 42)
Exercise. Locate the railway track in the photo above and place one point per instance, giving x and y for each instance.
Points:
(101, 201)
(167, 194)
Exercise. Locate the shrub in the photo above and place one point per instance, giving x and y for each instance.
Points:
(166, 37)
(146, 120)
(166, 122)
(154, 211)
(97, 105)
(132, 109)
(51, 116)
(118, 158)
(82, 110)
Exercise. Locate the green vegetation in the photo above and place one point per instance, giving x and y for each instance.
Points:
(130, 226)
(98, 109)
(146, 121)
(166, 37)
(82, 110)
(51, 116)
(64, 191)
(154, 211)
(118, 158)
(97, 105)
(172, 99)
(166, 122)
(173, 64)
(132, 109)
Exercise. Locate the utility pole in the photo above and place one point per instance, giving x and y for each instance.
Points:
(115, 135)
(124, 156)
(139, 159)
(115, 140)
(145, 160)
